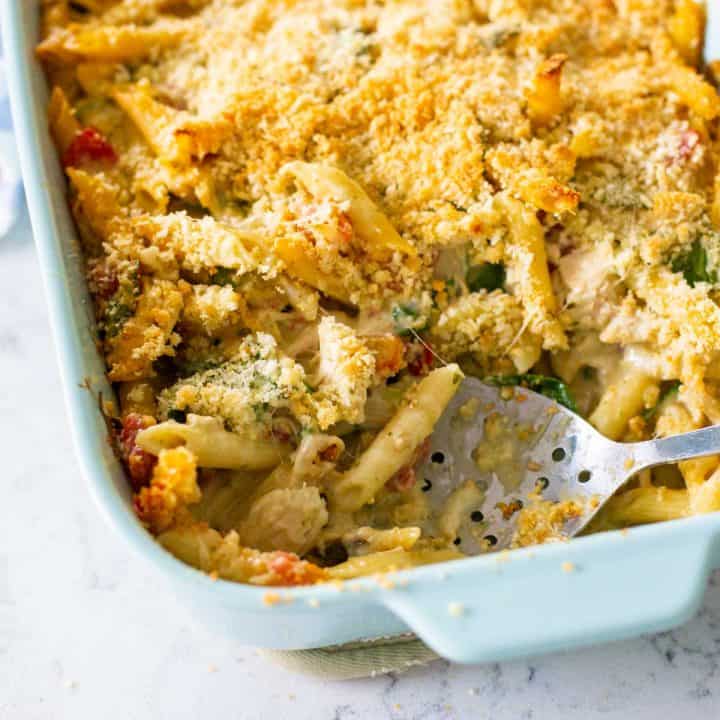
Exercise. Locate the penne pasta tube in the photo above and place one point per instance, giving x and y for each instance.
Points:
(646, 505)
(701, 97)
(686, 28)
(389, 561)
(63, 125)
(393, 447)
(367, 540)
(212, 445)
(544, 98)
(623, 399)
(108, 42)
(369, 223)
(527, 254)
(301, 264)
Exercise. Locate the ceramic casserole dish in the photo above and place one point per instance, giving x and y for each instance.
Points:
(624, 583)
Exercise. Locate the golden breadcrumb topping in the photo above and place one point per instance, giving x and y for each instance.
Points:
(172, 488)
(347, 369)
(292, 211)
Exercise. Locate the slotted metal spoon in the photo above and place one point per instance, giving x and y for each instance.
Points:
(517, 445)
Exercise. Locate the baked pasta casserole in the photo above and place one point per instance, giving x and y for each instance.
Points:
(304, 220)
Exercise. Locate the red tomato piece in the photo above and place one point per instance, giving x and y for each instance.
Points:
(403, 479)
(421, 361)
(345, 228)
(89, 145)
(406, 477)
(139, 463)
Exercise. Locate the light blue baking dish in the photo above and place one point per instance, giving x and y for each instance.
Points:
(647, 579)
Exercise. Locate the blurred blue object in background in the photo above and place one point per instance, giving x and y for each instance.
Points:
(11, 193)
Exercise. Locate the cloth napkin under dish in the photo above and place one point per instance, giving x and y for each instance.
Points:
(364, 658)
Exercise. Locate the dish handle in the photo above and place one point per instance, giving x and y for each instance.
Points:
(527, 603)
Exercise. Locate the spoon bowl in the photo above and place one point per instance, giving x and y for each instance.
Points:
(528, 454)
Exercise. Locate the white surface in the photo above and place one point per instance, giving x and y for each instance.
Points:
(84, 635)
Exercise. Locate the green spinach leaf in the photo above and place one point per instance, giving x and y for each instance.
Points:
(224, 276)
(487, 276)
(551, 387)
(668, 392)
(407, 318)
(694, 265)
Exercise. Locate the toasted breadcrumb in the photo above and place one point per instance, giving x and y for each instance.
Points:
(246, 390)
(173, 487)
(148, 334)
(347, 369)
(541, 521)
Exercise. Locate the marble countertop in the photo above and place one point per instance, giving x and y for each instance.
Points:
(83, 635)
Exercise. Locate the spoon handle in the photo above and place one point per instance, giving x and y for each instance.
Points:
(695, 444)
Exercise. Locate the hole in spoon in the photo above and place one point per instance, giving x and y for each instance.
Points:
(584, 476)
(542, 484)
(438, 458)
(558, 454)
(477, 516)
(490, 540)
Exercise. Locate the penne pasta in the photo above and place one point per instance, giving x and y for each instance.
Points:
(367, 540)
(526, 253)
(110, 43)
(395, 444)
(623, 399)
(301, 262)
(212, 445)
(687, 29)
(701, 97)
(370, 224)
(199, 244)
(174, 135)
(646, 505)
(544, 97)
(389, 561)
(63, 125)
(96, 201)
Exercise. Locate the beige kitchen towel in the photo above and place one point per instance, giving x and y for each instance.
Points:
(364, 658)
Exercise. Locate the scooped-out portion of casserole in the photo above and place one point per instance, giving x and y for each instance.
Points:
(304, 220)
